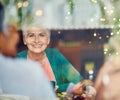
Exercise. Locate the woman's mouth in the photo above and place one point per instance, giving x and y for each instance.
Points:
(37, 46)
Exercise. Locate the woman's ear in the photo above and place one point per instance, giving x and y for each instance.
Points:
(24, 41)
(48, 40)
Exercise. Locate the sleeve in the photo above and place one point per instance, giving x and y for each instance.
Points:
(69, 73)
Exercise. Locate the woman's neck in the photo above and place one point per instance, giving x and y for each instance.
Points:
(36, 56)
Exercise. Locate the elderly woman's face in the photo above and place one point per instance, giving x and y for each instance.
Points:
(36, 40)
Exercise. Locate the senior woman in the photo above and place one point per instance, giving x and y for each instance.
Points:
(55, 65)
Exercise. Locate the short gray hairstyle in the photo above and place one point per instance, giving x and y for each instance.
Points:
(27, 26)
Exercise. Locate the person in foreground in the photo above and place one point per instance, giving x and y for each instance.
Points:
(107, 81)
(18, 76)
(56, 66)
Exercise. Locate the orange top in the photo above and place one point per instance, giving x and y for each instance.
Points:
(48, 70)
(46, 67)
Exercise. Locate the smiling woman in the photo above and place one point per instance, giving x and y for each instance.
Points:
(56, 66)
(58, 69)
(36, 39)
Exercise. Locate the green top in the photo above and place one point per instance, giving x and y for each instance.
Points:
(63, 70)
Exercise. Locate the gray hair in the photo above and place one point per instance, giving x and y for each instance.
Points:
(26, 27)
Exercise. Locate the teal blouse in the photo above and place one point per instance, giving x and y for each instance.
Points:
(63, 70)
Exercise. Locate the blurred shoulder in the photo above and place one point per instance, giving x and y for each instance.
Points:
(19, 65)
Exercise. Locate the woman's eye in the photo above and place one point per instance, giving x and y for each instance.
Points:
(30, 35)
(42, 35)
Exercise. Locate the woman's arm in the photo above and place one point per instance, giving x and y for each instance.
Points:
(68, 72)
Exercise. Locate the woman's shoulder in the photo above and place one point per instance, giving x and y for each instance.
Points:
(22, 54)
(55, 54)
(52, 50)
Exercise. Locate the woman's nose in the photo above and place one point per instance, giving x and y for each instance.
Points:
(36, 39)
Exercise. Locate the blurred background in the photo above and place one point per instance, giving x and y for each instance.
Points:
(85, 31)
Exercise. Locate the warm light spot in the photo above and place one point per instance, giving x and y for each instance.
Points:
(91, 19)
(106, 49)
(117, 53)
(114, 19)
(110, 12)
(19, 4)
(105, 52)
(68, 12)
(107, 36)
(119, 25)
(59, 32)
(25, 3)
(94, 1)
(39, 13)
(111, 33)
(100, 37)
(118, 32)
(102, 19)
(105, 8)
(95, 34)
(91, 72)
(90, 42)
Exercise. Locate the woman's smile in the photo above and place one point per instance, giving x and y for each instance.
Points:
(37, 45)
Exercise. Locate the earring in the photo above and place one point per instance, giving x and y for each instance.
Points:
(24, 43)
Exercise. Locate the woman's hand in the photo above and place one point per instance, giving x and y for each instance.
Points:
(78, 89)
(85, 90)
(90, 93)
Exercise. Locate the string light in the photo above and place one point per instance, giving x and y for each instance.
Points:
(100, 37)
(94, 1)
(91, 19)
(102, 19)
(59, 32)
(105, 49)
(119, 25)
(25, 3)
(105, 52)
(117, 53)
(39, 13)
(110, 12)
(114, 19)
(105, 8)
(107, 36)
(68, 13)
(111, 33)
(118, 32)
(90, 42)
(19, 4)
(95, 34)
